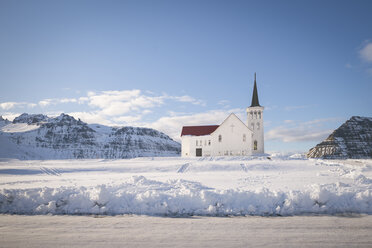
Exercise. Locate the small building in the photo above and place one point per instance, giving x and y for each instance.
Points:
(231, 138)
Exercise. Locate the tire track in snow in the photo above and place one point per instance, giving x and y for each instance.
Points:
(244, 167)
(51, 171)
(183, 168)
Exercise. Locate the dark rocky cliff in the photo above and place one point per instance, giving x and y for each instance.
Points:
(353, 139)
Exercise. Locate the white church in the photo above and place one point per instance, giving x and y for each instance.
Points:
(231, 138)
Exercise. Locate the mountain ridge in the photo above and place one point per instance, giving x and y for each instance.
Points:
(63, 137)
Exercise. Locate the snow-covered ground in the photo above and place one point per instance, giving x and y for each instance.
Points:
(219, 186)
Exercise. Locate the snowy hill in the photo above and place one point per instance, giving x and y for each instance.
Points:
(353, 139)
(64, 137)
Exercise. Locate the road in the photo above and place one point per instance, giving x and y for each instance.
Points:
(145, 231)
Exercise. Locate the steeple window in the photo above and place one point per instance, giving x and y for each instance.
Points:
(255, 145)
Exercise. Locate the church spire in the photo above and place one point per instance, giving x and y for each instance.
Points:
(255, 102)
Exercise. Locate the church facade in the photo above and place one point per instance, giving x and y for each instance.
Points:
(231, 138)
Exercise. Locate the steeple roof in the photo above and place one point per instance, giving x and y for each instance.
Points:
(255, 102)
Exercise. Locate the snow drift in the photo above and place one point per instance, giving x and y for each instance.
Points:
(140, 195)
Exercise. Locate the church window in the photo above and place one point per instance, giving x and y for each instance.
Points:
(219, 138)
(255, 114)
(251, 115)
(244, 137)
(259, 114)
(209, 142)
(255, 145)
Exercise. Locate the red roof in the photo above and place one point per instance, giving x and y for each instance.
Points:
(198, 130)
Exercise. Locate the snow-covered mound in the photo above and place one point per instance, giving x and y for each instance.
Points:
(64, 137)
(180, 187)
(353, 139)
(140, 195)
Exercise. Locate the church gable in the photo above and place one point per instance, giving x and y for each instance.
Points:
(233, 123)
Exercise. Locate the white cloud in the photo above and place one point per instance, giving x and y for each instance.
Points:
(7, 105)
(128, 106)
(113, 103)
(10, 105)
(186, 98)
(55, 101)
(31, 105)
(146, 111)
(83, 99)
(45, 102)
(293, 131)
(67, 100)
(366, 52)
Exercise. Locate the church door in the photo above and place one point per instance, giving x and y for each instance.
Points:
(198, 152)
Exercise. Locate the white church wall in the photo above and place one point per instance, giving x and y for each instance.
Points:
(232, 141)
(191, 143)
(185, 146)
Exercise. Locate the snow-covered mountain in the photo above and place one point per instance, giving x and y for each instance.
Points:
(3, 121)
(353, 139)
(64, 137)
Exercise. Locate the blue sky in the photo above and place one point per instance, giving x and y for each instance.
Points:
(165, 64)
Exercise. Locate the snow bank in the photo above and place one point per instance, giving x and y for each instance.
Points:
(140, 195)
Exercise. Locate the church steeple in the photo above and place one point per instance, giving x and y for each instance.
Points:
(255, 102)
